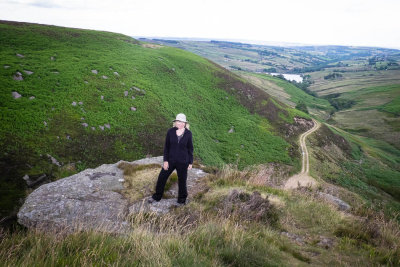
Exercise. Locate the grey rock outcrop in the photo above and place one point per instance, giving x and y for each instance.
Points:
(18, 76)
(340, 204)
(28, 72)
(90, 200)
(16, 95)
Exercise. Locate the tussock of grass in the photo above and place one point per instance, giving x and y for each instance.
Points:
(140, 180)
(130, 169)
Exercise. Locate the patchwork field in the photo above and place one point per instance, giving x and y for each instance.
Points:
(352, 81)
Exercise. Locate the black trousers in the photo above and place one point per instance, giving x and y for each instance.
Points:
(181, 169)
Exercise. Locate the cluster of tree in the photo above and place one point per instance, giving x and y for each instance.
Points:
(302, 106)
(304, 85)
(273, 70)
(333, 76)
(339, 103)
(251, 60)
(266, 53)
(235, 67)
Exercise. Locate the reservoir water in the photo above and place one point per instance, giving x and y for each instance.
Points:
(290, 77)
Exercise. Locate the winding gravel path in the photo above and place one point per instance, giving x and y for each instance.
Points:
(303, 178)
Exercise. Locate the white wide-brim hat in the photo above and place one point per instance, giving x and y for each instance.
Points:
(180, 117)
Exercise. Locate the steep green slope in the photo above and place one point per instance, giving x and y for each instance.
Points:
(92, 97)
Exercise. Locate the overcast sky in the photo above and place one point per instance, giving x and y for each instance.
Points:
(334, 22)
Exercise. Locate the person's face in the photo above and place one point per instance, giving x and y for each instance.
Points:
(180, 124)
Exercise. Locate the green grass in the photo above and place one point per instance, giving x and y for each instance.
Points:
(370, 169)
(296, 94)
(392, 107)
(373, 115)
(164, 81)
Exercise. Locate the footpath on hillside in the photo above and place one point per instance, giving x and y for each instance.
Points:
(303, 178)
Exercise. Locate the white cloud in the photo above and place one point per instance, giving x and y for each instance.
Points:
(350, 22)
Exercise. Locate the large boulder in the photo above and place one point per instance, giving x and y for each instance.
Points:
(89, 200)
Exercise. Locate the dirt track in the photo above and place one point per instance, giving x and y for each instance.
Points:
(302, 178)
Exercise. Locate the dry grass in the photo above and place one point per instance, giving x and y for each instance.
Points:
(217, 230)
(140, 180)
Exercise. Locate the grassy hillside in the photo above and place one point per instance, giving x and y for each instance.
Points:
(374, 114)
(90, 97)
(288, 93)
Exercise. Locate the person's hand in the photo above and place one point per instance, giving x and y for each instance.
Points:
(165, 165)
(190, 167)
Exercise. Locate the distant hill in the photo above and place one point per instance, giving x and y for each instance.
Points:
(72, 99)
(285, 58)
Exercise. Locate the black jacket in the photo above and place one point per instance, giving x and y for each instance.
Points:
(181, 152)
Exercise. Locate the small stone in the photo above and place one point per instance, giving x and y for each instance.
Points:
(20, 55)
(101, 127)
(116, 73)
(173, 69)
(32, 97)
(55, 72)
(133, 108)
(6, 66)
(105, 77)
(16, 95)
(80, 103)
(122, 83)
(325, 242)
(107, 125)
(58, 137)
(85, 124)
(28, 72)
(74, 103)
(52, 108)
(102, 97)
(231, 130)
(94, 71)
(136, 88)
(18, 76)
(133, 97)
(51, 58)
(68, 137)
(242, 146)
(93, 128)
(26, 177)
(53, 160)
(45, 123)
(82, 118)
(86, 82)
(126, 93)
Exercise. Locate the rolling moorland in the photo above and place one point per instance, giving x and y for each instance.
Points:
(90, 97)
(342, 84)
(355, 90)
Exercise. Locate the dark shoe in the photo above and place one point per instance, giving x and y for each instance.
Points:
(181, 203)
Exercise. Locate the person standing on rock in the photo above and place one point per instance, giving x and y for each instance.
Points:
(178, 154)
